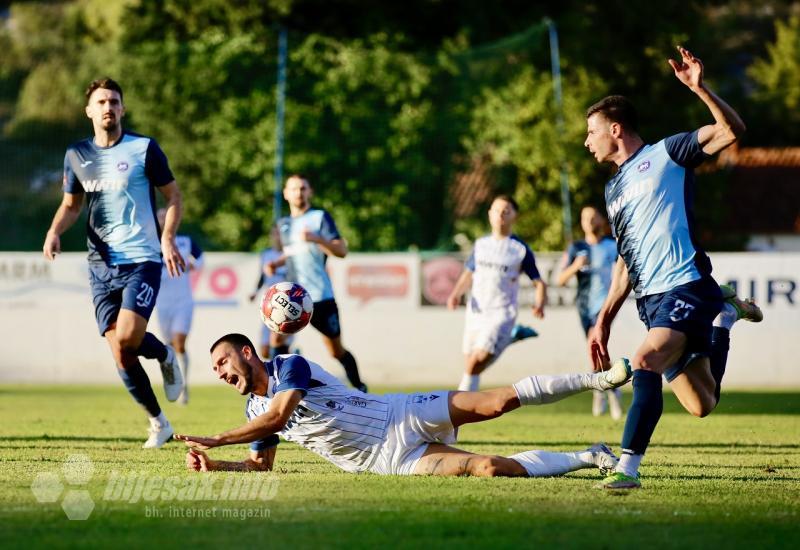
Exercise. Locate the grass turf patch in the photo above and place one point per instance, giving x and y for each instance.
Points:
(730, 479)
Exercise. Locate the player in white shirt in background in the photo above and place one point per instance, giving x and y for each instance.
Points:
(175, 302)
(395, 434)
(492, 272)
(272, 343)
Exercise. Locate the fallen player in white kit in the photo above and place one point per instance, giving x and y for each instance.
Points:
(398, 434)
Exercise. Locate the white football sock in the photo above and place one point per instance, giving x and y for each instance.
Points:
(159, 421)
(470, 382)
(545, 463)
(727, 316)
(183, 361)
(539, 390)
(629, 464)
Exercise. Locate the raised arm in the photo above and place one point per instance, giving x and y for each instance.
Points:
(66, 215)
(598, 337)
(728, 126)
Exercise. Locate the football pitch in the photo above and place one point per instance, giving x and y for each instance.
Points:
(731, 480)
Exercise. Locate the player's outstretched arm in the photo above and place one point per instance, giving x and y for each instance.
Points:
(728, 126)
(572, 269)
(68, 211)
(259, 461)
(598, 336)
(271, 422)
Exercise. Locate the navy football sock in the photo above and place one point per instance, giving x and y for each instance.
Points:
(138, 385)
(720, 343)
(152, 348)
(351, 369)
(644, 412)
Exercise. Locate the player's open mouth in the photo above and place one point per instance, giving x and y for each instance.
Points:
(233, 380)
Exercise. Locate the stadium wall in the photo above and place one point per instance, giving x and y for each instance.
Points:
(392, 319)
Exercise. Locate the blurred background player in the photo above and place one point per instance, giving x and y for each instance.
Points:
(492, 272)
(117, 172)
(308, 236)
(175, 304)
(590, 261)
(272, 343)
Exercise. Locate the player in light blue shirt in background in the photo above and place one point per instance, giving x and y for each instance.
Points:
(590, 261)
(687, 315)
(308, 236)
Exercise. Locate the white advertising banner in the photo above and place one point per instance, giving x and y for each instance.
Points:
(393, 320)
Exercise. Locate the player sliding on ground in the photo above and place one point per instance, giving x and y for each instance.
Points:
(687, 315)
(400, 434)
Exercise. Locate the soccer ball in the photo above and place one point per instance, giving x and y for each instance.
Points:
(286, 308)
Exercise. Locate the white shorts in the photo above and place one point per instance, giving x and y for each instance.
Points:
(415, 419)
(490, 333)
(175, 319)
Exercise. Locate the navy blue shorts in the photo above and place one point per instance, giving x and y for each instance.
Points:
(130, 286)
(690, 309)
(587, 322)
(326, 318)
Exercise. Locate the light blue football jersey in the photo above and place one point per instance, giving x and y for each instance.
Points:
(649, 203)
(119, 182)
(305, 261)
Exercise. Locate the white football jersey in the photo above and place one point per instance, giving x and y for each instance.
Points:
(496, 265)
(178, 290)
(339, 423)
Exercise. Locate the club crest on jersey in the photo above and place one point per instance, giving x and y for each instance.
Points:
(644, 166)
(123, 166)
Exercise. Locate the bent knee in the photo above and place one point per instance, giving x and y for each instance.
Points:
(494, 466)
(701, 408)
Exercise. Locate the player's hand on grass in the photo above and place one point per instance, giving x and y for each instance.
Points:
(598, 348)
(198, 461)
(52, 246)
(197, 442)
(689, 70)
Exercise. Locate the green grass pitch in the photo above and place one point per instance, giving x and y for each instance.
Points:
(731, 480)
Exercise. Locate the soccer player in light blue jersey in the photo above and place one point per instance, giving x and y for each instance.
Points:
(492, 275)
(687, 315)
(590, 261)
(118, 172)
(395, 434)
(308, 236)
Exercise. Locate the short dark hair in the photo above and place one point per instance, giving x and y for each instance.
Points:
(298, 175)
(234, 339)
(509, 199)
(616, 108)
(105, 83)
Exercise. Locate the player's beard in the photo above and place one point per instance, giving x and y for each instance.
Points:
(110, 124)
(247, 375)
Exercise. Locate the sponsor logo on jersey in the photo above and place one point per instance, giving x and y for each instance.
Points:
(357, 402)
(122, 166)
(334, 405)
(104, 184)
(633, 191)
(644, 166)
